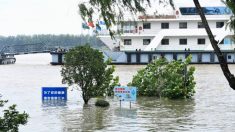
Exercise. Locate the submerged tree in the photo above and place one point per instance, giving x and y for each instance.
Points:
(112, 13)
(162, 78)
(86, 68)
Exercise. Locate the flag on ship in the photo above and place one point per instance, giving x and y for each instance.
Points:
(98, 28)
(101, 22)
(90, 23)
(85, 26)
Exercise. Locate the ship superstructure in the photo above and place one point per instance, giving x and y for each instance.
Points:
(173, 36)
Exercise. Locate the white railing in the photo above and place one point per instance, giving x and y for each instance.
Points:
(227, 46)
(209, 17)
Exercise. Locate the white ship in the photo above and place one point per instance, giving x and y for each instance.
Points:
(170, 33)
(173, 36)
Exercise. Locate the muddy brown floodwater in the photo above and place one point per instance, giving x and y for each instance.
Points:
(212, 109)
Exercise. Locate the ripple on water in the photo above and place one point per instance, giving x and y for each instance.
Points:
(212, 108)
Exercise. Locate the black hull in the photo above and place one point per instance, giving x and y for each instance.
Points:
(145, 57)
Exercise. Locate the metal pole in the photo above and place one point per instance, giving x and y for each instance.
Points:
(130, 104)
(185, 74)
(120, 103)
(185, 69)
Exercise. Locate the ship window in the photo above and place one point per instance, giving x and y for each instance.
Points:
(229, 57)
(129, 27)
(165, 25)
(201, 41)
(219, 24)
(200, 25)
(228, 41)
(146, 41)
(183, 41)
(183, 25)
(127, 41)
(165, 42)
(147, 25)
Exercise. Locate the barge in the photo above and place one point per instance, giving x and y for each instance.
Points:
(7, 58)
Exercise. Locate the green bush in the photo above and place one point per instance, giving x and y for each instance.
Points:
(101, 103)
(12, 118)
(85, 67)
(166, 79)
(114, 82)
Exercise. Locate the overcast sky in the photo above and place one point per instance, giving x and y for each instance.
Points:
(29, 17)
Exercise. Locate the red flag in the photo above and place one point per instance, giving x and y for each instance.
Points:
(91, 24)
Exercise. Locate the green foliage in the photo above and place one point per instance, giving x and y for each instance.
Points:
(231, 5)
(112, 11)
(2, 102)
(109, 10)
(110, 81)
(114, 82)
(86, 68)
(12, 118)
(101, 103)
(166, 79)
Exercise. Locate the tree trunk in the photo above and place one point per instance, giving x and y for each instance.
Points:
(223, 64)
(85, 101)
(84, 95)
(85, 98)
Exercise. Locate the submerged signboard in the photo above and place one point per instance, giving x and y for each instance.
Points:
(125, 93)
(54, 93)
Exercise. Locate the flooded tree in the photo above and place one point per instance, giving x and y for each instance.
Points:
(86, 68)
(161, 78)
(112, 12)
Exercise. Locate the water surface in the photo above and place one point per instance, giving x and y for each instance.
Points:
(212, 108)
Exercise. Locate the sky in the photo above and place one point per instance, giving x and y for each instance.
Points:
(28, 17)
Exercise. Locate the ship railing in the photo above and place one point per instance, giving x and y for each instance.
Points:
(227, 46)
(103, 33)
(192, 17)
(120, 31)
(158, 17)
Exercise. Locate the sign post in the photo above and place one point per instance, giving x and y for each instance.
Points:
(125, 93)
(54, 93)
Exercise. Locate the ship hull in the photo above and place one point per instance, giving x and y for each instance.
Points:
(7, 59)
(145, 57)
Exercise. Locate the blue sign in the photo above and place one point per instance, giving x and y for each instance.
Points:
(125, 93)
(54, 93)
